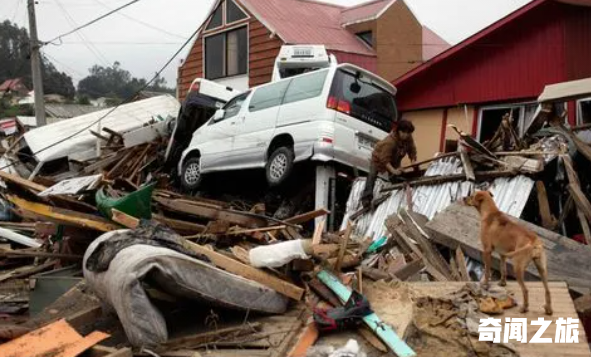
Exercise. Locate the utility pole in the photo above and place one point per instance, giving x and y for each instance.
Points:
(36, 66)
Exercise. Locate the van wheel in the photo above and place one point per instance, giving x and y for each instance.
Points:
(191, 177)
(279, 166)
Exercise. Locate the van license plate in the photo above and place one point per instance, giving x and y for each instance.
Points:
(368, 143)
(303, 52)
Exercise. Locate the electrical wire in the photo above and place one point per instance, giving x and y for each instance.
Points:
(91, 22)
(148, 25)
(95, 51)
(128, 100)
(18, 5)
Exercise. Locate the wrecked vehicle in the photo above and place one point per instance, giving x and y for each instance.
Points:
(328, 115)
(203, 99)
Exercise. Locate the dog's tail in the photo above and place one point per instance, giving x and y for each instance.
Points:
(527, 247)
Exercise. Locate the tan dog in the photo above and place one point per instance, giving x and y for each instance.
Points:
(510, 240)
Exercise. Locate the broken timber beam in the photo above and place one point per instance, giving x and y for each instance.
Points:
(308, 216)
(468, 170)
(205, 211)
(63, 216)
(435, 180)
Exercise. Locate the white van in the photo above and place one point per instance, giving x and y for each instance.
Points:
(335, 114)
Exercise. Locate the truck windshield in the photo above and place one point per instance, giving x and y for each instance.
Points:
(363, 100)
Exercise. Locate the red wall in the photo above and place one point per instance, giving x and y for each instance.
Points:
(550, 43)
(369, 63)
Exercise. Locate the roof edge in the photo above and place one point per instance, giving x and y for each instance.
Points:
(470, 40)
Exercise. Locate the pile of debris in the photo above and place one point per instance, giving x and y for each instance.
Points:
(189, 276)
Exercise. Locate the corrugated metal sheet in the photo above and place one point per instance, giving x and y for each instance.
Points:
(510, 195)
(53, 140)
(307, 22)
(511, 60)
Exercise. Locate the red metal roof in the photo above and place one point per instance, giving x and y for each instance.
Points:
(11, 84)
(433, 44)
(364, 12)
(541, 43)
(307, 22)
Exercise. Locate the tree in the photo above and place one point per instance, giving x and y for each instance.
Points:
(116, 82)
(15, 62)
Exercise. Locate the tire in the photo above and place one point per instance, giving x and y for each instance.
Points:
(279, 166)
(191, 176)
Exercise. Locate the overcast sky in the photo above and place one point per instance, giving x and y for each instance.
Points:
(143, 36)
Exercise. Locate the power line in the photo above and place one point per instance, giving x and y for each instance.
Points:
(158, 73)
(17, 7)
(142, 22)
(82, 37)
(92, 21)
(120, 43)
(53, 59)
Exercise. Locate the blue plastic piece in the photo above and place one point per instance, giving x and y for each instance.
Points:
(384, 331)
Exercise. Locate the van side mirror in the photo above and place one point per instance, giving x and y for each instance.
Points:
(219, 115)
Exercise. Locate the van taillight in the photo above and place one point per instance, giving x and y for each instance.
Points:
(195, 87)
(332, 103)
(340, 105)
(344, 107)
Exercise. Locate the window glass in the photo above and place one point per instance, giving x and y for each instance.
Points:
(232, 108)
(237, 52)
(366, 37)
(216, 19)
(233, 12)
(268, 96)
(368, 102)
(214, 56)
(585, 111)
(305, 87)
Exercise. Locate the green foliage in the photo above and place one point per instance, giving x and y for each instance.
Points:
(15, 62)
(116, 82)
(83, 100)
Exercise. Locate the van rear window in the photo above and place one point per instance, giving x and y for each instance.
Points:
(364, 101)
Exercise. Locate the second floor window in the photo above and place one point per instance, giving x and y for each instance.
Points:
(226, 54)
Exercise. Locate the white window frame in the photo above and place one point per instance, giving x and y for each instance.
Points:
(224, 24)
(520, 120)
(580, 110)
(235, 27)
(247, 18)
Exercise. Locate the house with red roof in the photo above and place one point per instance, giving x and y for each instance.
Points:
(14, 86)
(240, 39)
(501, 69)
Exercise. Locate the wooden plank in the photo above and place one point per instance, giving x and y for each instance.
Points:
(343, 247)
(461, 262)
(195, 341)
(63, 216)
(179, 226)
(317, 236)
(435, 180)
(568, 205)
(468, 169)
(384, 331)
(581, 200)
(305, 341)
(26, 271)
(568, 260)
(308, 216)
(195, 209)
(21, 181)
(548, 221)
(429, 251)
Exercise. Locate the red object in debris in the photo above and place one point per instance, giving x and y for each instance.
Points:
(580, 238)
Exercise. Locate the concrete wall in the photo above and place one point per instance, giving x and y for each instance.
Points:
(398, 41)
(427, 135)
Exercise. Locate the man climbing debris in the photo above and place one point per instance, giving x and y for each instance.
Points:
(387, 156)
